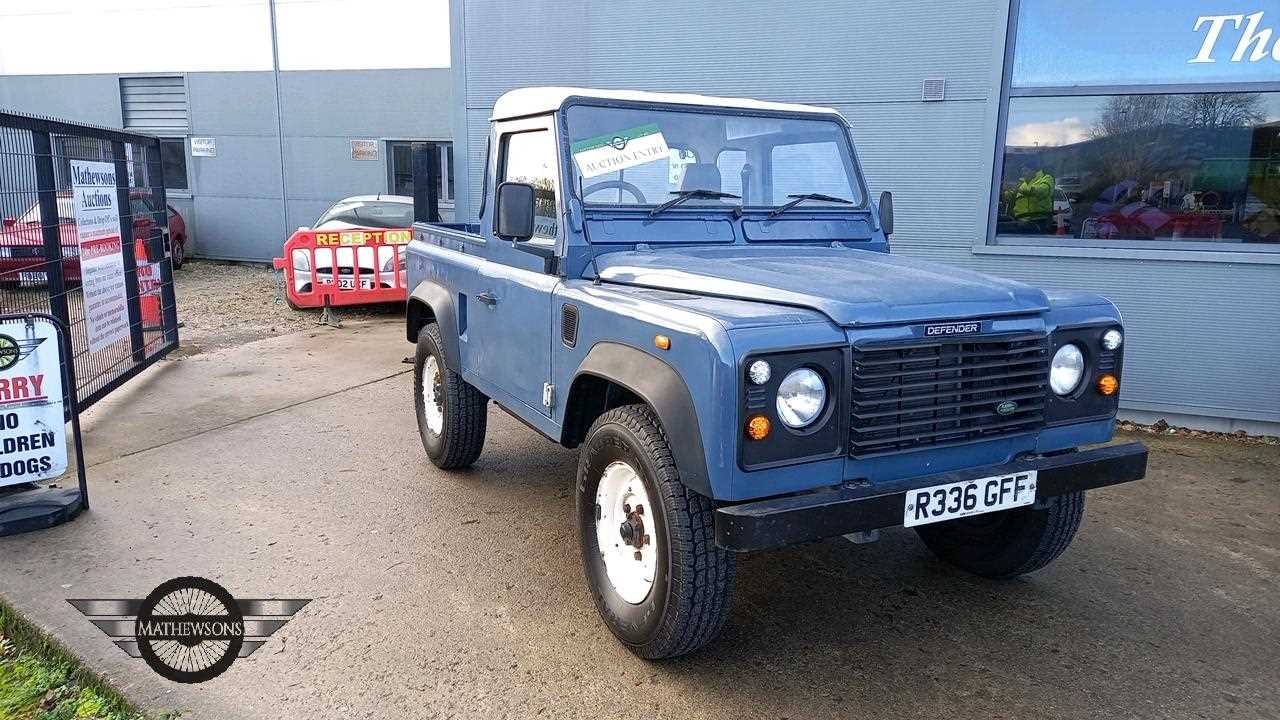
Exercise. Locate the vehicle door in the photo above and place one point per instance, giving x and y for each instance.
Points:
(509, 315)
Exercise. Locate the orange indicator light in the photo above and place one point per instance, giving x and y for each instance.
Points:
(662, 342)
(1108, 384)
(758, 427)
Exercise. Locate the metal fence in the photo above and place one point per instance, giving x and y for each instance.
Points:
(41, 264)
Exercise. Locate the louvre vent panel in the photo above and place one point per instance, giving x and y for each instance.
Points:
(569, 325)
(155, 104)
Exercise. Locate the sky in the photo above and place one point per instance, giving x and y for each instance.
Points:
(140, 36)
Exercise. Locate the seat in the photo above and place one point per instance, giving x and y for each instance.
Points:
(701, 176)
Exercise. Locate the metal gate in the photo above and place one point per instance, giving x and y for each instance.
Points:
(115, 332)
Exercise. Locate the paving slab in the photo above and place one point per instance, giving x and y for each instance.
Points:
(460, 595)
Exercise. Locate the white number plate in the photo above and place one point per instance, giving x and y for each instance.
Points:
(33, 278)
(350, 284)
(970, 497)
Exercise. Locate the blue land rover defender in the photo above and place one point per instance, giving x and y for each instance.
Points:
(698, 292)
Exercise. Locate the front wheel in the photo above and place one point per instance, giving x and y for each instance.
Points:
(1008, 543)
(452, 415)
(648, 541)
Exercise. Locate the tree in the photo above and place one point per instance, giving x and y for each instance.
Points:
(1129, 113)
(1221, 110)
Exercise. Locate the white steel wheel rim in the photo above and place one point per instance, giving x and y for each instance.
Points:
(430, 402)
(621, 498)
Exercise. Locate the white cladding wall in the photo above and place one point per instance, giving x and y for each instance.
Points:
(1203, 336)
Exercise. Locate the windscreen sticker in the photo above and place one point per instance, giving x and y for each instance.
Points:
(609, 153)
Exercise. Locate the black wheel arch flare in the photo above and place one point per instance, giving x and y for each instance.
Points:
(659, 385)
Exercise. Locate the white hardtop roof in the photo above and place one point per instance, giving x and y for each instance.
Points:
(539, 100)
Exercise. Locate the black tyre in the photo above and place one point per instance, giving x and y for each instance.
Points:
(178, 254)
(659, 581)
(452, 415)
(1009, 543)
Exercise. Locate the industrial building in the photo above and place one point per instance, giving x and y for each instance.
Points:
(1128, 150)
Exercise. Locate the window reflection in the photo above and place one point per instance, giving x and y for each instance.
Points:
(1201, 167)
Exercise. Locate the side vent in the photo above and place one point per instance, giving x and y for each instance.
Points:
(569, 324)
(935, 90)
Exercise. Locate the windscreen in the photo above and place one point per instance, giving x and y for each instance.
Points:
(632, 156)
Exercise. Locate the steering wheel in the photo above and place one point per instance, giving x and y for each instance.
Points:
(614, 184)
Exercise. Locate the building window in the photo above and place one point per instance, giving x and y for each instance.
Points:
(400, 168)
(1168, 144)
(173, 163)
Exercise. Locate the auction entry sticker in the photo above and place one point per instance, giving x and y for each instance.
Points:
(969, 497)
(33, 431)
(609, 153)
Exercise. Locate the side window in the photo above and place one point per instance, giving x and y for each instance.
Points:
(530, 157)
(140, 209)
(809, 168)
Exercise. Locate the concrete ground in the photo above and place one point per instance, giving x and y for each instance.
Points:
(291, 467)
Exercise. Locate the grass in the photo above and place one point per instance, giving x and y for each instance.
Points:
(42, 680)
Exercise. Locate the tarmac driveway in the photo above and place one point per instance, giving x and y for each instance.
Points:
(291, 467)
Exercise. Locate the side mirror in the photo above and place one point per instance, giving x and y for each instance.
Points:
(886, 212)
(514, 207)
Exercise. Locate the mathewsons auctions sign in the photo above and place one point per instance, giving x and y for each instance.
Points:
(106, 308)
(33, 437)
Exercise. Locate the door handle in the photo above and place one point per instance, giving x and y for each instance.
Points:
(487, 298)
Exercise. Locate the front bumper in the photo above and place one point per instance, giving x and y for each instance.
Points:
(812, 516)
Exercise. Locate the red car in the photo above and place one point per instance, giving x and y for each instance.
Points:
(22, 242)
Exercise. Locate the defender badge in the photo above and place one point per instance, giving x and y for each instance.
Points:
(960, 328)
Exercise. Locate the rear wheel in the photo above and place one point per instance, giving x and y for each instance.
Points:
(179, 252)
(452, 415)
(648, 541)
(1009, 543)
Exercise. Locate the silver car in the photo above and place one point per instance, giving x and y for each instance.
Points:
(391, 212)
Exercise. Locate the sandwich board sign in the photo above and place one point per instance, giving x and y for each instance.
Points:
(106, 306)
(33, 436)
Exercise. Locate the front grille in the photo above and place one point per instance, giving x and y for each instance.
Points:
(932, 393)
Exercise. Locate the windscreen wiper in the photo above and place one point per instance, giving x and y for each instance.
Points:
(801, 197)
(683, 195)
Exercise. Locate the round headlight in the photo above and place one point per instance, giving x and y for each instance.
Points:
(1066, 370)
(1111, 339)
(759, 372)
(801, 396)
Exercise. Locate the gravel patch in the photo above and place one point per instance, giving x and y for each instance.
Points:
(223, 304)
